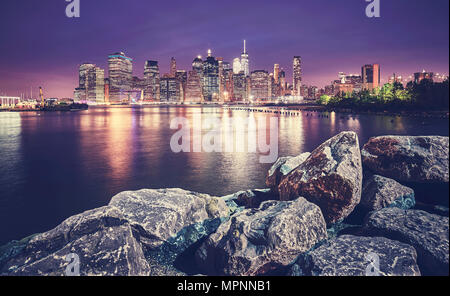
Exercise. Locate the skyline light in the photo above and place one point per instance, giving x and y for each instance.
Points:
(47, 52)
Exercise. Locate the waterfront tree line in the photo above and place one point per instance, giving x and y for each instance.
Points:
(427, 95)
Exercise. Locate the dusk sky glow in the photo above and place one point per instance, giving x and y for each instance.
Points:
(40, 46)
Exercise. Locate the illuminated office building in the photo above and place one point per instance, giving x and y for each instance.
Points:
(370, 75)
(120, 76)
(152, 79)
(236, 66)
(181, 76)
(276, 73)
(239, 87)
(210, 78)
(91, 86)
(283, 85)
(260, 85)
(297, 75)
(193, 87)
(169, 89)
(173, 67)
(244, 61)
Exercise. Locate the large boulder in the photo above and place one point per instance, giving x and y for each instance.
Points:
(350, 255)
(330, 177)
(421, 159)
(170, 220)
(139, 233)
(257, 241)
(282, 167)
(380, 192)
(427, 233)
(102, 240)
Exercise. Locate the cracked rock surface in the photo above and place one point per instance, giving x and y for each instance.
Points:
(422, 159)
(350, 255)
(256, 241)
(427, 233)
(330, 177)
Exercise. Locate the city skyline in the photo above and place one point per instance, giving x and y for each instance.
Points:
(50, 51)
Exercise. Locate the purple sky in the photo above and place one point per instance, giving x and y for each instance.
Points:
(40, 46)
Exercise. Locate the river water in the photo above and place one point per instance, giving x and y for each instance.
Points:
(54, 165)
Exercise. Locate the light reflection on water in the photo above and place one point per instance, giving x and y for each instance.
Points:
(54, 165)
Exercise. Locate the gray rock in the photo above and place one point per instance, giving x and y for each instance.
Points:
(350, 255)
(102, 239)
(174, 217)
(138, 233)
(282, 167)
(427, 233)
(381, 192)
(250, 198)
(331, 177)
(256, 241)
(409, 159)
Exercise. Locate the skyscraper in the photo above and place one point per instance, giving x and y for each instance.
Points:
(173, 67)
(236, 66)
(370, 75)
(260, 85)
(239, 87)
(227, 81)
(197, 65)
(244, 61)
(181, 76)
(194, 87)
(276, 72)
(170, 89)
(210, 78)
(91, 84)
(96, 85)
(283, 85)
(107, 90)
(152, 79)
(297, 75)
(221, 78)
(194, 83)
(120, 76)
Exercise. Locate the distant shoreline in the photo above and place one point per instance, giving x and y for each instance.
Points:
(285, 108)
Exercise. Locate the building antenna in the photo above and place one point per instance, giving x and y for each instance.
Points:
(244, 47)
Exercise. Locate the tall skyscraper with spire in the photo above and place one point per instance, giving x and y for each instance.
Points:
(244, 61)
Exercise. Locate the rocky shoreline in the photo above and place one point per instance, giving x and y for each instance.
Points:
(339, 210)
